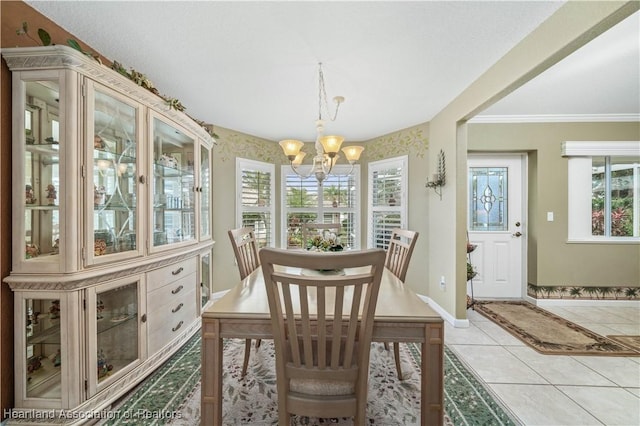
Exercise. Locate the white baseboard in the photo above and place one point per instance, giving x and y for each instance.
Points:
(457, 323)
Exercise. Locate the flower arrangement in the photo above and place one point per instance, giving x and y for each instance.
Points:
(327, 241)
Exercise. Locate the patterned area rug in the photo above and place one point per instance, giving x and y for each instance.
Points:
(548, 333)
(172, 394)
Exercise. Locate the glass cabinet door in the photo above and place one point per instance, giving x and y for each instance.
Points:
(42, 356)
(172, 186)
(204, 190)
(114, 324)
(41, 174)
(112, 185)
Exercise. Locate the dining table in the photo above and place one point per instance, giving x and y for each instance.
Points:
(400, 316)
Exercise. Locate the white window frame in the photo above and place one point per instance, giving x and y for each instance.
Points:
(401, 162)
(579, 165)
(259, 166)
(320, 210)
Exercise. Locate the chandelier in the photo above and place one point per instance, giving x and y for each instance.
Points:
(327, 147)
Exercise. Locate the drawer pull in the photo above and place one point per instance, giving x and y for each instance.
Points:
(177, 290)
(177, 308)
(177, 271)
(177, 326)
(143, 318)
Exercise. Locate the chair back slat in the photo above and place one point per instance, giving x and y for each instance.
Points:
(322, 330)
(245, 249)
(401, 245)
(322, 324)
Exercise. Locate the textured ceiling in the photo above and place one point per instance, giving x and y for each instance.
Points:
(252, 66)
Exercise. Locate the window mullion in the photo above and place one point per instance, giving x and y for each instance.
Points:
(607, 196)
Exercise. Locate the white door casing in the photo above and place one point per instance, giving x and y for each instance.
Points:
(497, 224)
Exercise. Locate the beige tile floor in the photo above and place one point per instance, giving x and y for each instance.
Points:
(554, 390)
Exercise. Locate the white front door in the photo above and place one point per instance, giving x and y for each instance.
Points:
(496, 223)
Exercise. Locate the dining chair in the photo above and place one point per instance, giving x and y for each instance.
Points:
(322, 357)
(245, 249)
(399, 251)
(310, 229)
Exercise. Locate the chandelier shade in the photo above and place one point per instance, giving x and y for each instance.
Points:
(327, 147)
(352, 153)
(291, 148)
(331, 144)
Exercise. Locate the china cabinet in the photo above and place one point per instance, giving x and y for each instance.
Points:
(111, 239)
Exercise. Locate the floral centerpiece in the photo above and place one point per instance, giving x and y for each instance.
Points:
(327, 241)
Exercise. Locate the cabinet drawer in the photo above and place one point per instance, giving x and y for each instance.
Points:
(165, 325)
(170, 314)
(171, 292)
(167, 274)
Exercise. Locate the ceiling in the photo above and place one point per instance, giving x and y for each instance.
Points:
(253, 66)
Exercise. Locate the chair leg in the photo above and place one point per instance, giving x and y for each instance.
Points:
(258, 343)
(396, 355)
(386, 346)
(247, 352)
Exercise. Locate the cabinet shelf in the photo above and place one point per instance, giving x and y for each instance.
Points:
(45, 207)
(50, 335)
(45, 149)
(45, 381)
(110, 320)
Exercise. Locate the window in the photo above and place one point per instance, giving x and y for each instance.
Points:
(255, 205)
(336, 200)
(604, 190)
(387, 199)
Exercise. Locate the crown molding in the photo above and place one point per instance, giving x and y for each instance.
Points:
(555, 118)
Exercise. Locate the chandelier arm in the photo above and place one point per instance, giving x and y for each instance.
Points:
(302, 175)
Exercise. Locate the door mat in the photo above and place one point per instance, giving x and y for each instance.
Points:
(629, 341)
(548, 333)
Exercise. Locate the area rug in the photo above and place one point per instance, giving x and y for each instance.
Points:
(548, 333)
(171, 395)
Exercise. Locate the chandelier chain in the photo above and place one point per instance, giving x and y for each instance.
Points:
(322, 97)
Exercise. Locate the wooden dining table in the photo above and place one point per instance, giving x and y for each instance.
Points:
(401, 316)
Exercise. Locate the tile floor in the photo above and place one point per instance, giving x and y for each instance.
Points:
(555, 390)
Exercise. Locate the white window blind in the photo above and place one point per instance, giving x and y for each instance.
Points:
(255, 205)
(335, 201)
(387, 199)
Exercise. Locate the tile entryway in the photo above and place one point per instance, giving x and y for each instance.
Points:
(554, 390)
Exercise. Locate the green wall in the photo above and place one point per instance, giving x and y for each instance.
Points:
(554, 261)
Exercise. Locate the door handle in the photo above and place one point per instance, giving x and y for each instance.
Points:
(517, 234)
